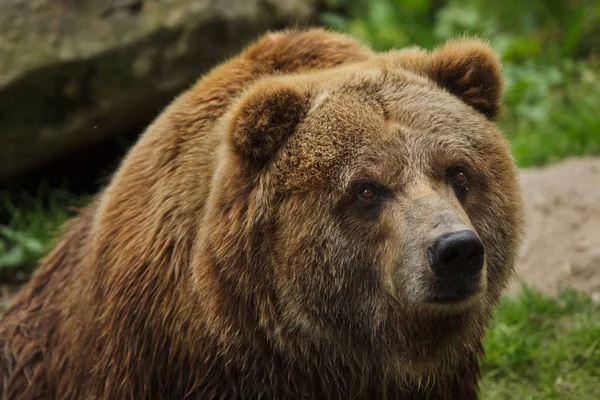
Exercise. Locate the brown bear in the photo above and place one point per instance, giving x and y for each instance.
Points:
(310, 220)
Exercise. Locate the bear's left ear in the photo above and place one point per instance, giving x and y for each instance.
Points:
(469, 69)
(265, 118)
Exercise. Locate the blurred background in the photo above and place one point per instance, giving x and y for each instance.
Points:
(81, 79)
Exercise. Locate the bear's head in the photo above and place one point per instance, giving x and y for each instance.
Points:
(372, 207)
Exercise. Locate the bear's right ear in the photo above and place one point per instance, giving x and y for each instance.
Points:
(467, 68)
(265, 118)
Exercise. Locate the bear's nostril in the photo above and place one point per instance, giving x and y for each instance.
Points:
(473, 257)
(456, 254)
(448, 257)
(431, 256)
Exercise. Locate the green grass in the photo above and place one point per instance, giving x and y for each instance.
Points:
(542, 347)
(32, 222)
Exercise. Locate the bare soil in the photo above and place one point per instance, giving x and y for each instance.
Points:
(562, 238)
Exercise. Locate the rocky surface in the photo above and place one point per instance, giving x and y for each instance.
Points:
(73, 72)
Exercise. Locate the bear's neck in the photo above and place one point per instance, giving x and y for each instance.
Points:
(241, 359)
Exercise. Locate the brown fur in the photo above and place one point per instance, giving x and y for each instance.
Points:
(229, 259)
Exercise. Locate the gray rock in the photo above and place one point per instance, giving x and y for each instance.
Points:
(74, 72)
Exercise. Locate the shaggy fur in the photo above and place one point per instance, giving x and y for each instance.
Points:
(231, 258)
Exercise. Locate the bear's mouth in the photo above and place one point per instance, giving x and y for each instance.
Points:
(455, 291)
(454, 296)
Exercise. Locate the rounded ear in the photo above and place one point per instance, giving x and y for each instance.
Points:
(469, 69)
(264, 118)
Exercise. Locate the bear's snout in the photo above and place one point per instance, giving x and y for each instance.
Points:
(456, 255)
(456, 260)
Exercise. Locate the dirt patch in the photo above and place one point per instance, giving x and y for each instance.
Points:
(562, 239)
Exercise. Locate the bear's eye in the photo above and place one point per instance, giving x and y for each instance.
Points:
(367, 193)
(457, 177)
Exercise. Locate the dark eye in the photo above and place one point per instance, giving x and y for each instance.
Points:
(367, 193)
(458, 178)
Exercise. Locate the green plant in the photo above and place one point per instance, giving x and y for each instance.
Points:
(384, 23)
(543, 347)
(32, 223)
(552, 111)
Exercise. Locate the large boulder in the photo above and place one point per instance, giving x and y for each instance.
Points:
(74, 72)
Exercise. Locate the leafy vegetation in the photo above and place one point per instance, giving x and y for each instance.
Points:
(542, 347)
(33, 223)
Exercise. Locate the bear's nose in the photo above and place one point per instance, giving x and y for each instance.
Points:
(456, 255)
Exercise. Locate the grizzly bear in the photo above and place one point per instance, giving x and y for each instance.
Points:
(309, 220)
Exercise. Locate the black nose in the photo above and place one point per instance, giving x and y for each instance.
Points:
(456, 255)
